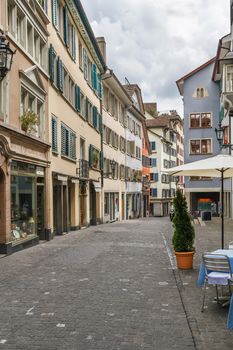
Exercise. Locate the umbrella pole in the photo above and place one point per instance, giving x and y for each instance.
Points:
(222, 200)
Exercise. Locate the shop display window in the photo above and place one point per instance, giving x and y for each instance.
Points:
(23, 214)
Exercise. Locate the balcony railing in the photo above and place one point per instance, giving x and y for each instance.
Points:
(83, 169)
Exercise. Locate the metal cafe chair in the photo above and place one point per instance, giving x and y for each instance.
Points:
(217, 272)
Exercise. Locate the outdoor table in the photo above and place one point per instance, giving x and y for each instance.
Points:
(201, 280)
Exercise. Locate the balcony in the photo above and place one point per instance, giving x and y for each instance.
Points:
(83, 169)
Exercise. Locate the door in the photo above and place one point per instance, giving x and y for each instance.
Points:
(112, 206)
(40, 211)
(92, 205)
(122, 207)
(82, 210)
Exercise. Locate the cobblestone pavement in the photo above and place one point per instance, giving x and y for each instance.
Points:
(109, 287)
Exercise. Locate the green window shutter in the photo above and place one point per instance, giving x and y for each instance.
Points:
(85, 64)
(87, 109)
(66, 26)
(60, 74)
(63, 140)
(54, 134)
(93, 77)
(100, 123)
(91, 155)
(95, 112)
(51, 62)
(99, 85)
(73, 42)
(54, 12)
(77, 98)
(72, 146)
(101, 160)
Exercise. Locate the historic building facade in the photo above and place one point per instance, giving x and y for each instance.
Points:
(75, 92)
(24, 146)
(201, 116)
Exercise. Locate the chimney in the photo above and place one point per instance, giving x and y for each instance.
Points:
(102, 46)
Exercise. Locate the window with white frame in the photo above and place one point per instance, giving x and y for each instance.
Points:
(229, 78)
(32, 102)
(201, 146)
(25, 32)
(80, 54)
(200, 120)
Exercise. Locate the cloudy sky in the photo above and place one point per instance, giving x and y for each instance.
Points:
(155, 42)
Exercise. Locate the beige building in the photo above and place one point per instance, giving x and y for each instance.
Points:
(115, 103)
(75, 91)
(24, 147)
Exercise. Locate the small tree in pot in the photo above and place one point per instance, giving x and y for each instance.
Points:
(184, 234)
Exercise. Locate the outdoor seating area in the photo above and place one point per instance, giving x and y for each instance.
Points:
(216, 269)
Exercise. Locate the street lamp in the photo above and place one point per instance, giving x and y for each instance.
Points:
(219, 135)
(6, 56)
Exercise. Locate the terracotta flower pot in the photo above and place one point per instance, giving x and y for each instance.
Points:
(184, 260)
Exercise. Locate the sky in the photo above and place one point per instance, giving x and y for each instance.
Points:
(155, 42)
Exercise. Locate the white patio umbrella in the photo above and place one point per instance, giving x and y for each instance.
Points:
(217, 166)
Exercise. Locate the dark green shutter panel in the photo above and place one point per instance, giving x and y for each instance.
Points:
(51, 62)
(60, 74)
(100, 123)
(63, 140)
(85, 64)
(94, 76)
(99, 85)
(101, 160)
(77, 98)
(66, 26)
(95, 117)
(73, 42)
(54, 12)
(91, 155)
(54, 134)
(87, 109)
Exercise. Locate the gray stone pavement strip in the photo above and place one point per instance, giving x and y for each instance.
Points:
(109, 287)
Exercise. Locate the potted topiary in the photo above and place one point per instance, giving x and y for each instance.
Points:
(29, 120)
(184, 234)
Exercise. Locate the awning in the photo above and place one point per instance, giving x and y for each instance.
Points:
(97, 186)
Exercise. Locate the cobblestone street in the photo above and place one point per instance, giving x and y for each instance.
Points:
(109, 287)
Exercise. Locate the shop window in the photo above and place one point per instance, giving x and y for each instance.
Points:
(106, 203)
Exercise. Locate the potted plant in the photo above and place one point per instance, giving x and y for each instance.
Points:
(184, 234)
(29, 120)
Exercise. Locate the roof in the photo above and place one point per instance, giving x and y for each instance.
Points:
(180, 82)
(163, 120)
(89, 31)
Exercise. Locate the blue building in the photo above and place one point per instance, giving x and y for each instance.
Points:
(201, 117)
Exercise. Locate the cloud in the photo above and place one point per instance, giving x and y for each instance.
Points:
(153, 43)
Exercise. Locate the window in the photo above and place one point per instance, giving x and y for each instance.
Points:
(194, 120)
(206, 120)
(154, 192)
(106, 98)
(31, 102)
(200, 120)
(54, 134)
(229, 78)
(3, 100)
(82, 148)
(80, 54)
(153, 146)
(68, 142)
(20, 27)
(82, 105)
(203, 146)
(154, 177)
(153, 162)
(106, 203)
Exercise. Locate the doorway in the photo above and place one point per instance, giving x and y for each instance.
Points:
(92, 205)
(122, 207)
(2, 204)
(112, 206)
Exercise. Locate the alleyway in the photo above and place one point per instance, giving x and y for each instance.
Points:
(107, 287)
